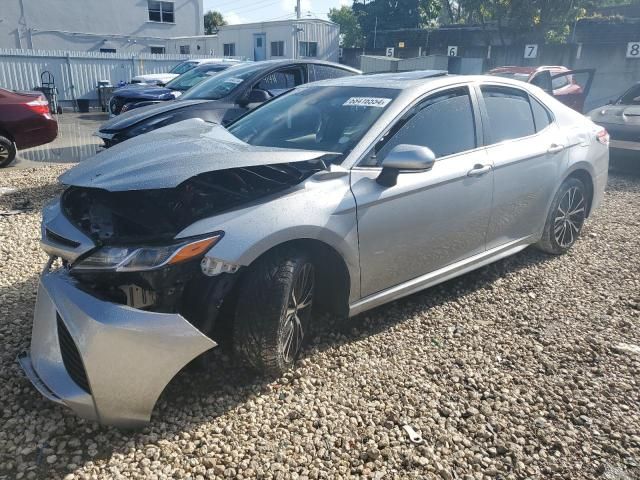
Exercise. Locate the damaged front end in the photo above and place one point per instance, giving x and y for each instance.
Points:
(131, 302)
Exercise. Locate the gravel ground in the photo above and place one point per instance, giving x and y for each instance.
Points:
(526, 368)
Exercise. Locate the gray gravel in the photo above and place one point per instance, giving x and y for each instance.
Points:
(526, 368)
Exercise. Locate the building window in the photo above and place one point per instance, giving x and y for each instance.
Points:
(160, 11)
(308, 49)
(157, 50)
(185, 49)
(107, 50)
(229, 49)
(277, 49)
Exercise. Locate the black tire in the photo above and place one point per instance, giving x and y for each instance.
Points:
(562, 228)
(7, 151)
(269, 330)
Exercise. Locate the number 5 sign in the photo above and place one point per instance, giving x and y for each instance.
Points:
(531, 51)
(633, 50)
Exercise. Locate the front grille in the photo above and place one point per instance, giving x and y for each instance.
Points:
(71, 356)
(61, 240)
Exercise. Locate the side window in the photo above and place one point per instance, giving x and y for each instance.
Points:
(540, 115)
(325, 72)
(558, 83)
(444, 123)
(278, 82)
(509, 113)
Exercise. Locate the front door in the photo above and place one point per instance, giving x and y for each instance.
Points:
(259, 46)
(429, 219)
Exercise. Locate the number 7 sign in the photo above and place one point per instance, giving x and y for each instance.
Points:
(531, 51)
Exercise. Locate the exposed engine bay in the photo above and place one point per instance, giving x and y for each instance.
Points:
(155, 217)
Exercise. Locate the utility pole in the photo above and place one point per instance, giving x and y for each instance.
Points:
(375, 33)
(298, 9)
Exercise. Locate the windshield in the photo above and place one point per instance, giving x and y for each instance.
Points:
(331, 119)
(222, 84)
(192, 77)
(632, 97)
(183, 67)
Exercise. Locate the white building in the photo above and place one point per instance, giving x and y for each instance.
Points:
(120, 26)
(312, 38)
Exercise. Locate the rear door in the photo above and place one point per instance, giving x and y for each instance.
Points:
(572, 87)
(528, 151)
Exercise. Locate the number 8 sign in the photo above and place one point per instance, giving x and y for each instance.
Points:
(633, 50)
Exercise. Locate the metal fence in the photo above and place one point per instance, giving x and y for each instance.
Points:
(77, 73)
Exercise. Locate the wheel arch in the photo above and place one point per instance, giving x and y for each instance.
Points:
(584, 175)
(334, 277)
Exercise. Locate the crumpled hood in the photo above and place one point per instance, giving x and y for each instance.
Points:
(616, 114)
(166, 157)
(127, 119)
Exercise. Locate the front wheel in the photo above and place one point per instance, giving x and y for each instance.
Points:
(565, 218)
(7, 151)
(273, 316)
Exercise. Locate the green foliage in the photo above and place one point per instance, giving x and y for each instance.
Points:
(395, 14)
(350, 33)
(213, 20)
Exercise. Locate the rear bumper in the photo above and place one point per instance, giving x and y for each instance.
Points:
(38, 131)
(107, 362)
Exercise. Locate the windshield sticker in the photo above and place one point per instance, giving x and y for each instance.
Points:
(367, 102)
(235, 80)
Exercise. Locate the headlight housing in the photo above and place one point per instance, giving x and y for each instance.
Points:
(136, 259)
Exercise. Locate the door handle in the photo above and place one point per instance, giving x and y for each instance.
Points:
(479, 170)
(555, 148)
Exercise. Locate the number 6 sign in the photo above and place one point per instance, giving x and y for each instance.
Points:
(531, 51)
(633, 50)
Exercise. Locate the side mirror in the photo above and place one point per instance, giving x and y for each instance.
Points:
(256, 96)
(412, 158)
(543, 80)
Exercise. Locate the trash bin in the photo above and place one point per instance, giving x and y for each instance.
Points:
(105, 90)
(83, 105)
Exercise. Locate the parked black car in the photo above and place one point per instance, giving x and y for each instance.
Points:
(139, 95)
(224, 97)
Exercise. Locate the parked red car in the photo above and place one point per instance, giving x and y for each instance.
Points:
(557, 80)
(25, 121)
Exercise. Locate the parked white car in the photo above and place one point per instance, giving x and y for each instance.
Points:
(163, 78)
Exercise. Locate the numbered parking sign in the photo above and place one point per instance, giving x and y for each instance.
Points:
(633, 50)
(531, 51)
(390, 51)
(452, 51)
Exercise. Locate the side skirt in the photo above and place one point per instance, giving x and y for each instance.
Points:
(441, 275)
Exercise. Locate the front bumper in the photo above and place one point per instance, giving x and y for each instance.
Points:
(107, 362)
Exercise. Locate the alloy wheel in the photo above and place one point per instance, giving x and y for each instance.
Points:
(298, 309)
(4, 153)
(570, 216)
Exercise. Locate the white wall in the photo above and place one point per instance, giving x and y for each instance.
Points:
(84, 25)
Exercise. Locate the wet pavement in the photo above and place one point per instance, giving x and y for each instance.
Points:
(75, 141)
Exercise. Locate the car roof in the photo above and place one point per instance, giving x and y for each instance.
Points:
(527, 70)
(399, 80)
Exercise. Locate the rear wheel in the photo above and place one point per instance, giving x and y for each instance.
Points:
(7, 151)
(274, 311)
(566, 218)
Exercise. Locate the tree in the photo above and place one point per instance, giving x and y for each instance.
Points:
(213, 20)
(395, 14)
(350, 33)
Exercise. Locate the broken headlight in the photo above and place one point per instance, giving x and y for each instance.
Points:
(135, 259)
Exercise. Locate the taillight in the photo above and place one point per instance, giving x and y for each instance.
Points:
(603, 137)
(39, 106)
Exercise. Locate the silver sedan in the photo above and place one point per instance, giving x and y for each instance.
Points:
(338, 196)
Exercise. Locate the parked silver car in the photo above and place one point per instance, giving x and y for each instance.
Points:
(338, 196)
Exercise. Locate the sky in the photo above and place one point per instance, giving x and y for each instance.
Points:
(245, 11)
